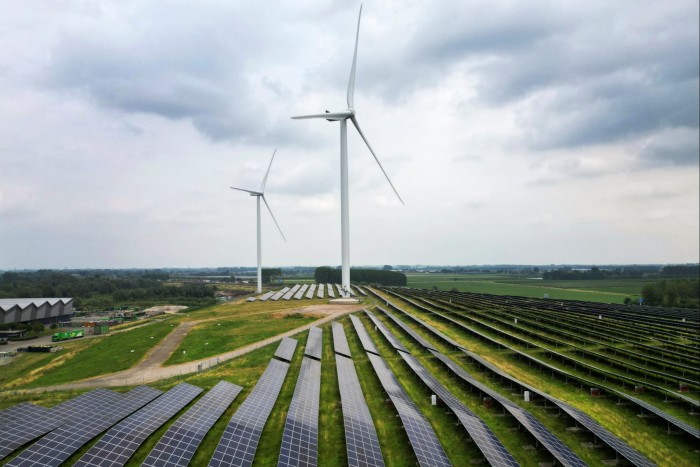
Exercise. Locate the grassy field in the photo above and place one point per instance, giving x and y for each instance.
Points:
(604, 291)
(113, 352)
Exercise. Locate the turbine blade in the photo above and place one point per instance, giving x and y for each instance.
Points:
(247, 191)
(351, 83)
(262, 188)
(357, 125)
(342, 115)
(273, 217)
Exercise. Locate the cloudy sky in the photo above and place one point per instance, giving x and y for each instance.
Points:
(516, 132)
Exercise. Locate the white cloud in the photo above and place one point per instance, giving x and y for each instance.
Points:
(512, 133)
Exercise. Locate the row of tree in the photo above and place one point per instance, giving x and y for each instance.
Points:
(98, 291)
(633, 272)
(327, 275)
(684, 293)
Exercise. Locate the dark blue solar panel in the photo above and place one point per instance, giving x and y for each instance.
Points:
(300, 435)
(116, 447)
(242, 435)
(180, 442)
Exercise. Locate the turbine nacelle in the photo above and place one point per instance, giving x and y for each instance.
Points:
(330, 116)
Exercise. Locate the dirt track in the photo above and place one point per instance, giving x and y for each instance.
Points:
(151, 368)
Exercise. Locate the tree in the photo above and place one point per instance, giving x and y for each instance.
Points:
(387, 267)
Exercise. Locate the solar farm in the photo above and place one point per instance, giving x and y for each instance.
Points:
(410, 377)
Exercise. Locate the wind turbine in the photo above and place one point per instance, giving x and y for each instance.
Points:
(261, 194)
(343, 116)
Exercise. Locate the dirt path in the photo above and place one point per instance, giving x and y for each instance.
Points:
(151, 368)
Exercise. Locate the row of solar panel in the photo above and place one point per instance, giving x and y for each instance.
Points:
(307, 291)
(691, 430)
(619, 446)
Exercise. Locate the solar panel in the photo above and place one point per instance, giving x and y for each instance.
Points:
(279, 294)
(180, 442)
(265, 297)
(119, 443)
(366, 341)
(240, 439)
(331, 293)
(553, 444)
(300, 436)
(361, 290)
(313, 343)
(361, 438)
(339, 289)
(301, 291)
(21, 411)
(54, 448)
(310, 292)
(424, 442)
(319, 292)
(490, 446)
(20, 432)
(286, 349)
(388, 334)
(340, 341)
(417, 337)
(291, 292)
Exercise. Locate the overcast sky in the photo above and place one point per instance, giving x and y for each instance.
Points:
(516, 132)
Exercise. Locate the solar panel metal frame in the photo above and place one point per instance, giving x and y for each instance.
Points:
(387, 334)
(300, 435)
(366, 341)
(361, 440)
(340, 340)
(314, 342)
(178, 445)
(286, 349)
(57, 446)
(417, 337)
(240, 439)
(117, 446)
(424, 442)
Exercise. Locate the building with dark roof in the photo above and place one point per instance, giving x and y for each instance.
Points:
(22, 310)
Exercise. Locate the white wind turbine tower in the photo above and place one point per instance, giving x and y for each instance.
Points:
(343, 116)
(261, 194)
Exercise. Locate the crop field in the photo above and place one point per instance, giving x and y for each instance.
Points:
(479, 352)
(603, 291)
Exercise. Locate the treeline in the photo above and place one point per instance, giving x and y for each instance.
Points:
(683, 293)
(98, 291)
(327, 275)
(634, 272)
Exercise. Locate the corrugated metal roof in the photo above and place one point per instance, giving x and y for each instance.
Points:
(9, 303)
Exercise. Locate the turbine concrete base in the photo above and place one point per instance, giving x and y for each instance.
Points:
(344, 301)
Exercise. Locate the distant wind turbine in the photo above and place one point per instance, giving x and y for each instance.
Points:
(343, 116)
(261, 194)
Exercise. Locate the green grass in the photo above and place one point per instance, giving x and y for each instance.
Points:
(114, 352)
(216, 337)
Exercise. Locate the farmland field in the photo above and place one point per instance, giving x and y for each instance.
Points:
(603, 291)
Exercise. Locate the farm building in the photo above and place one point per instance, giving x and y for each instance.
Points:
(20, 310)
